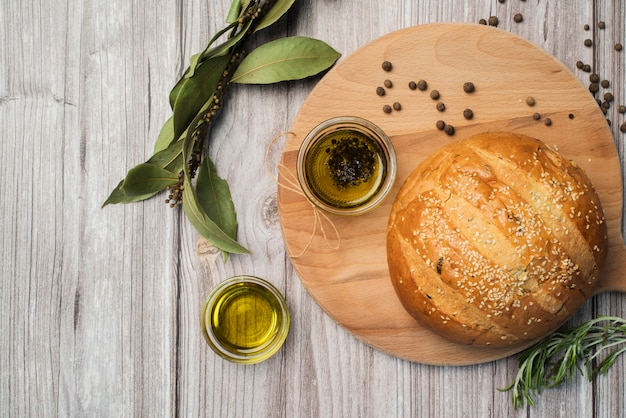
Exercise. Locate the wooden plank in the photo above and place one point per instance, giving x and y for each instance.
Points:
(100, 308)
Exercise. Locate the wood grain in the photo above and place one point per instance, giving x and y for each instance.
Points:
(99, 308)
(351, 282)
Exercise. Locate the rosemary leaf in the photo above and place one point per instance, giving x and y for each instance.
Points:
(562, 355)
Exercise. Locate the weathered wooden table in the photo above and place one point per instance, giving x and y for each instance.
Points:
(100, 306)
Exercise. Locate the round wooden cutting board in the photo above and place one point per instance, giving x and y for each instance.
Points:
(347, 273)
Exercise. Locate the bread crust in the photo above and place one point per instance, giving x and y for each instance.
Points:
(495, 240)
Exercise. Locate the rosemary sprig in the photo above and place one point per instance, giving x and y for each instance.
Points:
(592, 347)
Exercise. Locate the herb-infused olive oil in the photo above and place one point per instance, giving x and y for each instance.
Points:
(346, 165)
(245, 319)
(345, 168)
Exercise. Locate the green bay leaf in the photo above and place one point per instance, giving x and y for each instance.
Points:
(276, 12)
(166, 136)
(285, 59)
(195, 91)
(208, 229)
(215, 198)
(119, 196)
(147, 178)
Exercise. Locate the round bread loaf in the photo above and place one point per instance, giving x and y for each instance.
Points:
(495, 240)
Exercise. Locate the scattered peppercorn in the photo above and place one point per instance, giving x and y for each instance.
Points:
(588, 42)
(608, 97)
(530, 101)
(621, 109)
(482, 22)
(594, 87)
(594, 78)
(422, 85)
(605, 105)
(548, 121)
(388, 84)
(440, 125)
(623, 127)
(441, 106)
(493, 21)
(387, 109)
(571, 116)
(536, 116)
(618, 47)
(579, 65)
(434, 94)
(449, 129)
(586, 27)
(586, 68)
(397, 106)
(501, 1)
(605, 83)
(468, 87)
(518, 18)
(387, 66)
(601, 24)
(468, 114)
(412, 85)
(380, 91)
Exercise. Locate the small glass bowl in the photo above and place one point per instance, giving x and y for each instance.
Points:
(245, 319)
(346, 165)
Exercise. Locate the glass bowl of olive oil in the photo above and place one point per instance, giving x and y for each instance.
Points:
(245, 319)
(346, 165)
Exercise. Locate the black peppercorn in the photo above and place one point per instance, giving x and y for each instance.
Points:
(587, 68)
(588, 42)
(501, 1)
(468, 87)
(594, 78)
(449, 129)
(571, 116)
(623, 127)
(397, 106)
(388, 84)
(621, 109)
(380, 91)
(586, 27)
(422, 85)
(618, 47)
(604, 83)
(434, 94)
(493, 21)
(530, 101)
(482, 22)
(536, 116)
(605, 105)
(579, 65)
(608, 97)
(441, 106)
(548, 121)
(412, 85)
(518, 18)
(601, 24)
(594, 87)
(387, 109)
(387, 66)
(440, 125)
(468, 114)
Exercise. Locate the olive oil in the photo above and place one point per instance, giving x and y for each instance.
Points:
(345, 168)
(245, 319)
